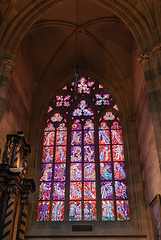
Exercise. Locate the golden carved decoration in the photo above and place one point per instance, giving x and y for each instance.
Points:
(157, 48)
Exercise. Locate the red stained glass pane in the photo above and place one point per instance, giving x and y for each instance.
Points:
(49, 128)
(61, 138)
(89, 190)
(49, 109)
(89, 154)
(60, 154)
(76, 172)
(90, 211)
(88, 137)
(76, 125)
(49, 138)
(89, 171)
(57, 211)
(106, 190)
(89, 125)
(119, 171)
(56, 118)
(108, 211)
(75, 190)
(46, 172)
(116, 136)
(120, 190)
(60, 172)
(47, 156)
(122, 208)
(62, 127)
(44, 191)
(105, 153)
(75, 211)
(58, 190)
(43, 211)
(116, 126)
(103, 125)
(105, 171)
(118, 152)
(76, 154)
(104, 137)
(109, 116)
(76, 138)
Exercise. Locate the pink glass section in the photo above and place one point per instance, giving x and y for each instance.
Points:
(60, 154)
(104, 153)
(59, 172)
(61, 138)
(76, 138)
(89, 154)
(108, 211)
(75, 190)
(88, 137)
(90, 211)
(116, 136)
(120, 190)
(58, 190)
(57, 213)
(119, 171)
(47, 155)
(89, 190)
(118, 152)
(104, 137)
(105, 171)
(44, 191)
(49, 138)
(106, 190)
(43, 211)
(76, 125)
(46, 172)
(122, 209)
(76, 153)
(76, 172)
(75, 211)
(89, 172)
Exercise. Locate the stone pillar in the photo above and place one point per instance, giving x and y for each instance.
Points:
(6, 67)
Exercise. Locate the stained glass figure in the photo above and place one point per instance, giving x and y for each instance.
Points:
(47, 156)
(75, 211)
(44, 191)
(49, 128)
(61, 138)
(89, 172)
(57, 213)
(89, 154)
(76, 172)
(116, 136)
(89, 125)
(122, 208)
(119, 171)
(49, 138)
(89, 190)
(43, 211)
(108, 211)
(60, 154)
(76, 138)
(118, 152)
(104, 153)
(76, 154)
(88, 137)
(109, 116)
(76, 125)
(82, 110)
(59, 191)
(57, 118)
(60, 172)
(120, 190)
(90, 211)
(104, 137)
(106, 190)
(46, 172)
(105, 171)
(75, 190)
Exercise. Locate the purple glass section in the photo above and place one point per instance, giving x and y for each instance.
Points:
(108, 211)
(90, 211)
(88, 137)
(47, 155)
(44, 191)
(76, 138)
(75, 211)
(89, 154)
(49, 138)
(76, 153)
(76, 125)
(89, 172)
(122, 208)
(60, 154)
(105, 171)
(75, 190)
(57, 211)
(46, 172)
(89, 125)
(116, 136)
(76, 172)
(59, 172)
(120, 190)
(105, 153)
(43, 211)
(119, 171)
(58, 190)
(89, 190)
(104, 137)
(106, 190)
(61, 138)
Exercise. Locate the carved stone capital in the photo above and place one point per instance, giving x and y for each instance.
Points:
(8, 63)
(157, 48)
(144, 57)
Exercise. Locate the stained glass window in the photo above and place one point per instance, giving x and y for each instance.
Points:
(83, 163)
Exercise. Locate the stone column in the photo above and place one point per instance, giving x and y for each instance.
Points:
(6, 67)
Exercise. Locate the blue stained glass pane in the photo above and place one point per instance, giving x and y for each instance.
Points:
(76, 153)
(88, 137)
(105, 171)
(59, 172)
(120, 190)
(46, 172)
(58, 190)
(108, 211)
(75, 211)
(119, 171)
(122, 208)
(106, 190)
(57, 211)
(90, 211)
(89, 154)
(76, 138)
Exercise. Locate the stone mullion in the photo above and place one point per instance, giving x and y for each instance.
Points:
(153, 93)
